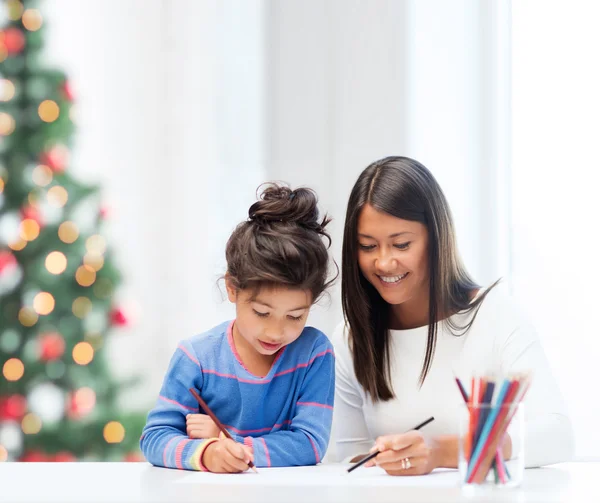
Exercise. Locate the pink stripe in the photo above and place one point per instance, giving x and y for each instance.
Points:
(175, 403)
(315, 404)
(142, 437)
(166, 450)
(189, 355)
(266, 452)
(303, 365)
(179, 451)
(314, 449)
(248, 442)
(259, 430)
(266, 381)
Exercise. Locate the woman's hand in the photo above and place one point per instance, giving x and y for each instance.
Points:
(227, 456)
(405, 454)
(201, 426)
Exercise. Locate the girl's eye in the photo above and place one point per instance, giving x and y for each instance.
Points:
(295, 318)
(366, 247)
(402, 246)
(259, 314)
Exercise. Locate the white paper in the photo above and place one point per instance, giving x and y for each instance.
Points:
(322, 475)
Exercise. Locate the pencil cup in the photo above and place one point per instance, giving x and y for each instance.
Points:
(483, 431)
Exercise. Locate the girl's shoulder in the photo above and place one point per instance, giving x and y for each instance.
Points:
(312, 342)
(209, 339)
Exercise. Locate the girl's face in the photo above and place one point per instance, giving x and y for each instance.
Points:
(392, 255)
(271, 319)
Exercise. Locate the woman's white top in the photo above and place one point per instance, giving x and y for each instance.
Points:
(501, 341)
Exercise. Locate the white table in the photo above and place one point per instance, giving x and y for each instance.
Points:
(140, 482)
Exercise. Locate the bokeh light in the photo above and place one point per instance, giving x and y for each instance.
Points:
(7, 124)
(29, 229)
(83, 353)
(7, 90)
(56, 262)
(28, 317)
(48, 111)
(32, 19)
(31, 424)
(68, 232)
(114, 432)
(42, 175)
(94, 261)
(81, 307)
(85, 400)
(96, 244)
(43, 303)
(58, 196)
(13, 369)
(85, 275)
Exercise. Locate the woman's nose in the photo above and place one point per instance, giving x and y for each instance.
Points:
(385, 262)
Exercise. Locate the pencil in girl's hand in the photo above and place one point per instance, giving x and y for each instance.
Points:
(216, 420)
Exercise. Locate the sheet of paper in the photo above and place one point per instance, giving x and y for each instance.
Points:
(322, 475)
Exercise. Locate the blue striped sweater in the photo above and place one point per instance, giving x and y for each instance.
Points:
(284, 416)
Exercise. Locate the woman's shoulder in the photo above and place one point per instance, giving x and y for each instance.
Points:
(500, 313)
(498, 302)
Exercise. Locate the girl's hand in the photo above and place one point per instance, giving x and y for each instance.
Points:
(405, 454)
(201, 426)
(227, 456)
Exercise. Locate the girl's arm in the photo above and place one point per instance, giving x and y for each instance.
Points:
(164, 441)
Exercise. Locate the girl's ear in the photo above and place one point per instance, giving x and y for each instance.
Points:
(231, 290)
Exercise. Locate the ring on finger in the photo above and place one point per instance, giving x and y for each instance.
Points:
(406, 464)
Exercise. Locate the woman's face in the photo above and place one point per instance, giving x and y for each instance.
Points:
(392, 255)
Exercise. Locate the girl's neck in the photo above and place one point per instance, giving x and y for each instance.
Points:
(255, 362)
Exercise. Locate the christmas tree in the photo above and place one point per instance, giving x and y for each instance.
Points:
(58, 398)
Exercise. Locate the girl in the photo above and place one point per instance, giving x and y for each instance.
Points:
(414, 318)
(267, 377)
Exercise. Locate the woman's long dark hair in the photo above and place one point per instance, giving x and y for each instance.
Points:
(403, 188)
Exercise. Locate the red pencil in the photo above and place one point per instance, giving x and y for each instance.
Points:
(216, 420)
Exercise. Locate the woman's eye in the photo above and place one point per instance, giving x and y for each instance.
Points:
(366, 247)
(259, 314)
(402, 246)
(295, 318)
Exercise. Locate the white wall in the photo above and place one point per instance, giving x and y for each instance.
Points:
(171, 102)
(185, 110)
(556, 106)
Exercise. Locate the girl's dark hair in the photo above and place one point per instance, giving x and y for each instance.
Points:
(403, 188)
(281, 243)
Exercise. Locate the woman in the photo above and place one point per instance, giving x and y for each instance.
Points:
(415, 319)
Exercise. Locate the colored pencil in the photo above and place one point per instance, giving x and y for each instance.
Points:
(373, 454)
(216, 420)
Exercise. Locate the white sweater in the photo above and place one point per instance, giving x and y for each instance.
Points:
(500, 341)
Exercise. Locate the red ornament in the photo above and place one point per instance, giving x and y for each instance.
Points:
(7, 261)
(13, 408)
(105, 212)
(67, 91)
(118, 318)
(52, 346)
(133, 457)
(63, 457)
(34, 457)
(56, 158)
(33, 213)
(13, 39)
